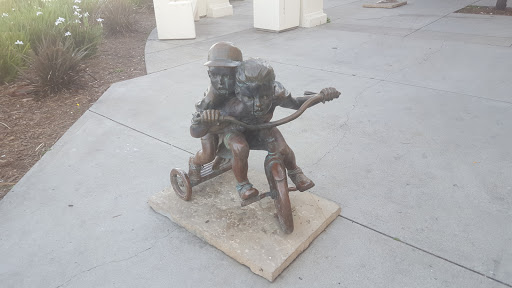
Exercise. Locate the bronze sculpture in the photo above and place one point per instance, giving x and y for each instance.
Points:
(239, 121)
(223, 58)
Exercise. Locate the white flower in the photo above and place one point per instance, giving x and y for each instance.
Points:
(78, 1)
(18, 42)
(77, 21)
(100, 20)
(59, 20)
(76, 13)
(75, 7)
(38, 13)
(67, 34)
(86, 14)
(5, 15)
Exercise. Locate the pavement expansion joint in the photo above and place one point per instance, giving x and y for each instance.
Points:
(138, 131)
(425, 251)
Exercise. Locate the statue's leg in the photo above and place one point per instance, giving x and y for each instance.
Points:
(209, 144)
(301, 181)
(282, 148)
(236, 142)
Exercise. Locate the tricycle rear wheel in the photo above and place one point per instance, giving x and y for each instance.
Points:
(181, 184)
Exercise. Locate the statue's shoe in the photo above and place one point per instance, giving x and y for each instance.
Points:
(301, 181)
(194, 171)
(246, 191)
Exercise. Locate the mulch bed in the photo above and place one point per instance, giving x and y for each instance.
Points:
(485, 10)
(31, 124)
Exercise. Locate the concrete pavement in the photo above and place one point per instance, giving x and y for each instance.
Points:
(416, 152)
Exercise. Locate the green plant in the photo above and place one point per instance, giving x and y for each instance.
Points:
(13, 50)
(65, 19)
(142, 3)
(119, 16)
(13, 45)
(86, 36)
(72, 22)
(57, 64)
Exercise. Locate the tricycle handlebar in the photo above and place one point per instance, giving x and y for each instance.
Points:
(311, 101)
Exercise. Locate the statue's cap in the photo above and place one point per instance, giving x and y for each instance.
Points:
(224, 54)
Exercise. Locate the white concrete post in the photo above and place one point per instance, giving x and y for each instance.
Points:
(218, 8)
(174, 19)
(201, 8)
(276, 15)
(312, 13)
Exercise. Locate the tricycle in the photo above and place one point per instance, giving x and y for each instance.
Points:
(274, 168)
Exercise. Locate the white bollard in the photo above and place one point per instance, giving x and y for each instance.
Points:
(276, 15)
(218, 8)
(174, 19)
(195, 11)
(312, 13)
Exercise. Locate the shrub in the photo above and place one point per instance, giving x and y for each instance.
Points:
(57, 64)
(119, 16)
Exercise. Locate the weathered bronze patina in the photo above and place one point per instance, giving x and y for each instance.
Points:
(234, 118)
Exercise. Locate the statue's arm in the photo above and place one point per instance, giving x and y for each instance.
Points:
(199, 129)
(285, 99)
(206, 102)
(288, 101)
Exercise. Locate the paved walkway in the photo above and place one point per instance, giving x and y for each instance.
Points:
(416, 152)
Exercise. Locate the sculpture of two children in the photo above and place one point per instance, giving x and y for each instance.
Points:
(247, 91)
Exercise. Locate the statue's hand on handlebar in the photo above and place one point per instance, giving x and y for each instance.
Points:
(211, 117)
(329, 94)
(208, 117)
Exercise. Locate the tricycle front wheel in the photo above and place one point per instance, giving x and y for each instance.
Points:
(282, 198)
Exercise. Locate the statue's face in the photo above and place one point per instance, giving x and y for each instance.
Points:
(223, 79)
(258, 96)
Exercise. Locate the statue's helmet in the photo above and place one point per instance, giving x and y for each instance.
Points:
(224, 54)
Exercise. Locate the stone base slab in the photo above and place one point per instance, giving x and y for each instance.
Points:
(385, 5)
(251, 234)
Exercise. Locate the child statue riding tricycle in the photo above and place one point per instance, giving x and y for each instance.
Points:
(234, 118)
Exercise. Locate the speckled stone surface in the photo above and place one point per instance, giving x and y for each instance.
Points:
(251, 234)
